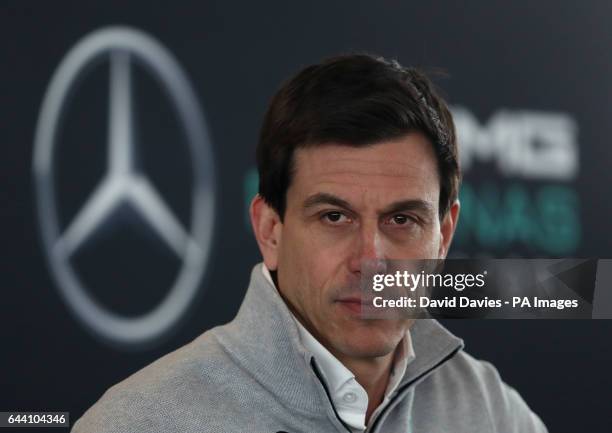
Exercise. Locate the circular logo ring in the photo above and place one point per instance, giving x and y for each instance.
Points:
(194, 247)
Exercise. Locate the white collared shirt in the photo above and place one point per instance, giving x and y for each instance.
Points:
(349, 398)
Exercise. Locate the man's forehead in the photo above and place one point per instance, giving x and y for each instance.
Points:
(402, 166)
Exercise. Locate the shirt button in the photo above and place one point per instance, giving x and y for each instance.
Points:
(349, 397)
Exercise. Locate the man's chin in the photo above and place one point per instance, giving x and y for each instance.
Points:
(370, 343)
(369, 350)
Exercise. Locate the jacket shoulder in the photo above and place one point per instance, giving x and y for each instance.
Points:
(161, 396)
(467, 380)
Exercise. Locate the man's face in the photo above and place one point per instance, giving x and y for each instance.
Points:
(346, 205)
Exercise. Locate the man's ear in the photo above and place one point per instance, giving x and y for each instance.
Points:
(267, 227)
(447, 228)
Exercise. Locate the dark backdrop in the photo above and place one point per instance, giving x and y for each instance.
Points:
(512, 66)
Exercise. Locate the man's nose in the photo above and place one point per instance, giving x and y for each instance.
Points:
(368, 249)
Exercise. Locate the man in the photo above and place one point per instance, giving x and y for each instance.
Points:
(357, 161)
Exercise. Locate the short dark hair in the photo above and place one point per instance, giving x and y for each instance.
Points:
(357, 100)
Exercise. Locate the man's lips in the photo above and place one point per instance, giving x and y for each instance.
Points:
(353, 300)
(355, 303)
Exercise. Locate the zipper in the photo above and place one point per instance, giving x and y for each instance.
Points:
(317, 372)
(405, 387)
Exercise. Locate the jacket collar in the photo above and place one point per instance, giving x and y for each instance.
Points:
(263, 338)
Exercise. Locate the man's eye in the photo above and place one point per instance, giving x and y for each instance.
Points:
(401, 219)
(335, 217)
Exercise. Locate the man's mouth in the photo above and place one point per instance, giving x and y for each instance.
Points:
(355, 304)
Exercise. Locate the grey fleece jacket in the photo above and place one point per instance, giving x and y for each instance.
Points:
(254, 375)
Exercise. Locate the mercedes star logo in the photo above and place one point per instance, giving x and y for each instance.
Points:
(124, 184)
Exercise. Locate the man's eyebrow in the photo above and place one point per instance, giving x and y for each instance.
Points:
(326, 198)
(409, 205)
(399, 206)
